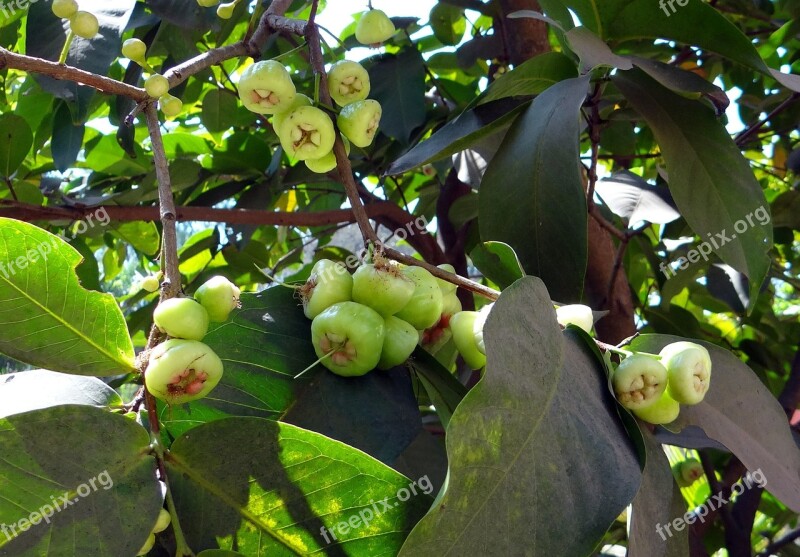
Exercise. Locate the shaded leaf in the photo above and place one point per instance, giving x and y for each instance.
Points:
(97, 461)
(398, 83)
(269, 488)
(739, 412)
(67, 138)
(521, 441)
(593, 52)
(16, 139)
(531, 77)
(532, 195)
(444, 390)
(47, 318)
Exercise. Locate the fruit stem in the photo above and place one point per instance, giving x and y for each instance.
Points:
(65, 51)
(329, 354)
(288, 52)
(182, 548)
(145, 66)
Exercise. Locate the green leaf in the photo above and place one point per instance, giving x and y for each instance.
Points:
(739, 412)
(539, 461)
(16, 139)
(711, 182)
(658, 502)
(46, 318)
(269, 488)
(398, 83)
(218, 106)
(532, 196)
(142, 235)
(531, 77)
(498, 262)
(67, 138)
(466, 129)
(40, 388)
(444, 390)
(94, 466)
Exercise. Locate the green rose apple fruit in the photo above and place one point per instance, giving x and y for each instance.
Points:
(639, 381)
(266, 88)
(374, 27)
(207, 3)
(307, 133)
(576, 314)
(327, 162)
(225, 11)
(150, 283)
(171, 106)
(181, 371)
(148, 545)
(399, 342)
(162, 522)
(328, 284)
(219, 297)
(447, 287)
(156, 85)
(134, 49)
(424, 308)
(348, 82)
(462, 326)
(359, 121)
(687, 471)
(181, 318)
(64, 9)
(477, 327)
(664, 411)
(280, 117)
(84, 24)
(689, 367)
(383, 287)
(349, 338)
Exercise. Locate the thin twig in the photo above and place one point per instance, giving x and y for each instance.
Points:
(741, 139)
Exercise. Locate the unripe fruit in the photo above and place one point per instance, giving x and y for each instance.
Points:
(307, 133)
(170, 106)
(350, 338)
(280, 117)
(225, 11)
(219, 297)
(156, 85)
(181, 371)
(383, 287)
(348, 82)
(150, 283)
(575, 314)
(447, 23)
(664, 411)
(266, 87)
(328, 284)
(639, 381)
(328, 162)
(207, 3)
(134, 49)
(148, 545)
(359, 121)
(162, 521)
(477, 327)
(399, 342)
(424, 308)
(446, 287)
(462, 324)
(84, 24)
(687, 471)
(689, 367)
(374, 27)
(450, 304)
(64, 9)
(181, 318)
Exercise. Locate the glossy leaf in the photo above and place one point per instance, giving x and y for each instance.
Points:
(710, 180)
(532, 195)
(46, 318)
(95, 467)
(531, 77)
(540, 421)
(269, 488)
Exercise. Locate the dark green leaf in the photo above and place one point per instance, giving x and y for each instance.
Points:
(442, 387)
(67, 138)
(531, 77)
(16, 139)
(498, 262)
(398, 83)
(218, 106)
(532, 195)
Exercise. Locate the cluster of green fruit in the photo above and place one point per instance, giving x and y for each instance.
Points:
(162, 522)
(653, 387)
(688, 471)
(374, 317)
(224, 11)
(81, 23)
(306, 132)
(156, 85)
(183, 369)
